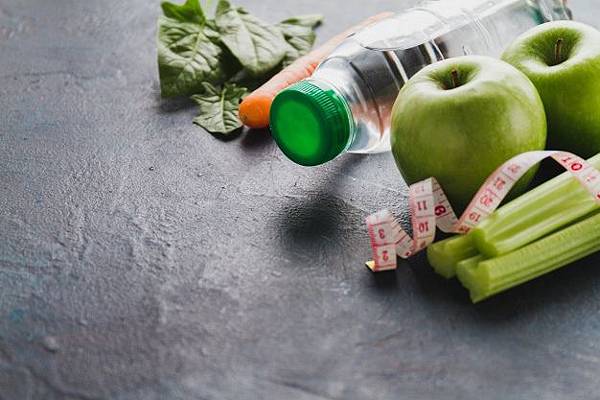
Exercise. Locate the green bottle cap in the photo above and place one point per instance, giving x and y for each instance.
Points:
(311, 125)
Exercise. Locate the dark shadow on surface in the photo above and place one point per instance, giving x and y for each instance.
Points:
(256, 138)
(548, 169)
(386, 281)
(434, 287)
(307, 221)
(304, 225)
(226, 137)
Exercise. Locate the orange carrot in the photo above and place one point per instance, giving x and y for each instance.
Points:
(254, 110)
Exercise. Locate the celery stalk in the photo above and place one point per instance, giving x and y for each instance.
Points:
(488, 277)
(465, 269)
(537, 213)
(444, 255)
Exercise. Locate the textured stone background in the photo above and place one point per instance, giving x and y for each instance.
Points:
(142, 258)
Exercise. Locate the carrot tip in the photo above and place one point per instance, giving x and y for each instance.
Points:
(254, 111)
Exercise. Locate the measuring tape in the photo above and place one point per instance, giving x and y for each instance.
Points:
(429, 207)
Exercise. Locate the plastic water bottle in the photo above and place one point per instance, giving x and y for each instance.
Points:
(346, 105)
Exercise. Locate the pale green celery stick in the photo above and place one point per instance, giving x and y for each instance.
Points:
(495, 275)
(537, 213)
(465, 269)
(445, 254)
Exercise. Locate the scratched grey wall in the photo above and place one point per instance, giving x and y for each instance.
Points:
(141, 258)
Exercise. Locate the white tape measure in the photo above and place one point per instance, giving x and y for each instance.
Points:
(429, 207)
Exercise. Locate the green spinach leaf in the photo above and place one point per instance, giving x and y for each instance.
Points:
(187, 58)
(300, 40)
(190, 11)
(299, 34)
(258, 46)
(219, 59)
(218, 107)
(309, 20)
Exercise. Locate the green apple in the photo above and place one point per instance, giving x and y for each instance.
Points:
(460, 119)
(562, 59)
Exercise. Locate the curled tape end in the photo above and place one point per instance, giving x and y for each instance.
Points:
(371, 265)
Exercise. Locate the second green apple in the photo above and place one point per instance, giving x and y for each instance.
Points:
(562, 59)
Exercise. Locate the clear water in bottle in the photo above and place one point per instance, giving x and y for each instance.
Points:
(366, 72)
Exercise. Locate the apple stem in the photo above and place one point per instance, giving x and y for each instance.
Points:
(558, 51)
(455, 82)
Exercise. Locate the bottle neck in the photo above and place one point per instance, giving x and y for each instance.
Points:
(331, 88)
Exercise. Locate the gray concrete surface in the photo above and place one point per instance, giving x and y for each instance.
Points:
(142, 258)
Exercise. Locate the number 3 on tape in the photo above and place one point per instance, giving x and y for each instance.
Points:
(429, 207)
